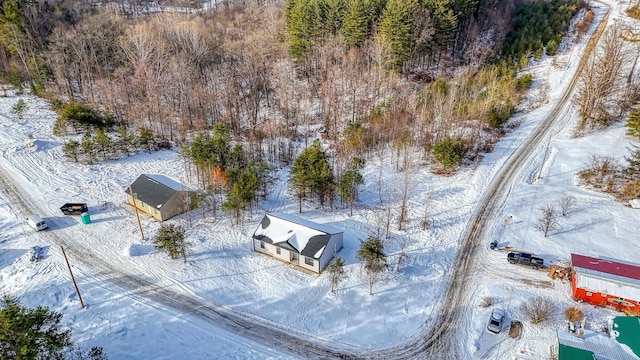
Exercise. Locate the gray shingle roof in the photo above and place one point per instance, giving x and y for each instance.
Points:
(154, 190)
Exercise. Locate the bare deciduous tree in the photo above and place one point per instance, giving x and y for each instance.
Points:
(548, 221)
(602, 172)
(567, 203)
(426, 217)
(538, 309)
(408, 181)
(602, 83)
(402, 242)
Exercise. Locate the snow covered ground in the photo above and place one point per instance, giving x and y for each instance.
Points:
(223, 269)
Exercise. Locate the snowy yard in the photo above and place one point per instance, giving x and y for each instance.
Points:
(223, 269)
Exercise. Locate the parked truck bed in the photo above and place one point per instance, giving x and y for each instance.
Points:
(525, 259)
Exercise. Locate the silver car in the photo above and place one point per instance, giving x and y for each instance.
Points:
(496, 320)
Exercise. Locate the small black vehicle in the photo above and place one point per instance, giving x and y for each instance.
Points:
(525, 259)
(74, 208)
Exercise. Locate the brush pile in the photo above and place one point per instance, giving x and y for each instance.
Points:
(559, 273)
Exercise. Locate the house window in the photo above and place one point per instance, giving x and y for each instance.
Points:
(278, 251)
(308, 261)
(262, 244)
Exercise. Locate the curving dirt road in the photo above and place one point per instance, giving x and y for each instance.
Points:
(440, 342)
(251, 328)
(439, 339)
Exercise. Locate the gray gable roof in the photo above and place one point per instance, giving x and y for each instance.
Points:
(154, 190)
(315, 244)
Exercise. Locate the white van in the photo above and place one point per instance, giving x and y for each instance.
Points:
(36, 222)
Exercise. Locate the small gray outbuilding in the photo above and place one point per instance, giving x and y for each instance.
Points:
(301, 242)
(160, 197)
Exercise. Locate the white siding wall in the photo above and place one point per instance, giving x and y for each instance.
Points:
(333, 246)
(269, 249)
(303, 264)
(607, 286)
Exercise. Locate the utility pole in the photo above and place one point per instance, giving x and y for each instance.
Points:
(134, 196)
(73, 279)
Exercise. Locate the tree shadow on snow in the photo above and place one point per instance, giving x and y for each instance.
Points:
(7, 256)
(580, 227)
(141, 249)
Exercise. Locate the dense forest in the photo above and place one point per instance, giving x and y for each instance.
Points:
(366, 75)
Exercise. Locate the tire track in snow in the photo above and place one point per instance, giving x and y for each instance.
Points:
(437, 342)
(441, 339)
(250, 327)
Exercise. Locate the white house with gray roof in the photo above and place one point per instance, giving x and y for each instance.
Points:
(304, 243)
(159, 196)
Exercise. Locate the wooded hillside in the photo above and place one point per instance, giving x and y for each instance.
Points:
(367, 74)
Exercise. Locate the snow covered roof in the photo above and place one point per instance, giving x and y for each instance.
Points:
(168, 182)
(591, 346)
(626, 330)
(602, 267)
(303, 236)
(155, 190)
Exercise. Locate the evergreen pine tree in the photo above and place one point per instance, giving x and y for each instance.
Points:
(449, 152)
(354, 26)
(88, 148)
(302, 26)
(311, 172)
(19, 108)
(31, 333)
(146, 139)
(445, 18)
(244, 184)
(103, 143)
(125, 142)
(336, 273)
(331, 16)
(395, 30)
(71, 150)
(235, 202)
(221, 145)
(633, 124)
(349, 182)
(633, 170)
(371, 251)
(170, 239)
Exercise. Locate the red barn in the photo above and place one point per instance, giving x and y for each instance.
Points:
(604, 282)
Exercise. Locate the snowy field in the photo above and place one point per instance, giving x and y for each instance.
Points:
(223, 269)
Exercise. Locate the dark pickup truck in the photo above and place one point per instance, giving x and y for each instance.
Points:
(525, 259)
(74, 208)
